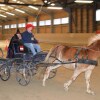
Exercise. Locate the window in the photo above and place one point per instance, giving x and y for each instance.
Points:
(65, 20)
(48, 22)
(21, 25)
(57, 21)
(34, 23)
(41, 23)
(6, 26)
(98, 15)
(13, 25)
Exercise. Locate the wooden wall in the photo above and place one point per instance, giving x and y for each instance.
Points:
(59, 38)
(82, 21)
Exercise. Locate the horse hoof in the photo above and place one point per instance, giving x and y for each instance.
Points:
(65, 87)
(91, 92)
(43, 84)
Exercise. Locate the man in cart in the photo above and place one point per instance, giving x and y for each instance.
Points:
(29, 40)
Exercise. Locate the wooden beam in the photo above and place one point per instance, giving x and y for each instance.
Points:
(81, 11)
(94, 18)
(18, 4)
(70, 20)
(6, 1)
(87, 17)
(76, 19)
(37, 28)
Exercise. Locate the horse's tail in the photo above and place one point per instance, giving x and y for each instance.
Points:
(48, 55)
(52, 50)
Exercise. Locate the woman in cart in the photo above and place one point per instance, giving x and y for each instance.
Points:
(15, 39)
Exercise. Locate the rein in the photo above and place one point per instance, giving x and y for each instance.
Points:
(76, 59)
(93, 50)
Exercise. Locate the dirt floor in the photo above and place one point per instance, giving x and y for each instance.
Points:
(54, 90)
(11, 90)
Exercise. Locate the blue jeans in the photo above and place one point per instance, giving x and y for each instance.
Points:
(33, 47)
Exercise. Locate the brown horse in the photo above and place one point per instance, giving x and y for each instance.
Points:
(61, 54)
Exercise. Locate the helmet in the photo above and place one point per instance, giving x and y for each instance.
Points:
(29, 25)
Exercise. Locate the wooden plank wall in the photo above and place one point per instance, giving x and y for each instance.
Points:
(69, 39)
(82, 21)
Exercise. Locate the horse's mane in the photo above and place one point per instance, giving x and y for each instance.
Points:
(94, 39)
(95, 45)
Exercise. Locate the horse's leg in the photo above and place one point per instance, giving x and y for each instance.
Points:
(46, 75)
(87, 77)
(76, 73)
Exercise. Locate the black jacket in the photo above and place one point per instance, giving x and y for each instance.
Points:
(28, 37)
(10, 52)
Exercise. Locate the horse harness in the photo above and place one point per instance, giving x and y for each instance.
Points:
(83, 59)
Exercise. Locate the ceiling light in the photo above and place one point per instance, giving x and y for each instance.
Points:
(57, 8)
(52, 4)
(45, 1)
(2, 15)
(49, 2)
(20, 11)
(20, 2)
(10, 13)
(10, 7)
(2, 4)
(3, 8)
(15, 0)
(33, 7)
(83, 1)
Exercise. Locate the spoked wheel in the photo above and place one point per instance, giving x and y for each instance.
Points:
(23, 75)
(52, 73)
(1, 53)
(4, 72)
(32, 69)
(2, 61)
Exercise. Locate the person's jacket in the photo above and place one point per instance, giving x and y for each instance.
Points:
(28, 37)
(14, 39)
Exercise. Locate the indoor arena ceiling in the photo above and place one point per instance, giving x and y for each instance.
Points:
(14, 9)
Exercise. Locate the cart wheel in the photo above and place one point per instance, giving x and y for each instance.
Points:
(52, 73)
(33, 69)
(23, 75)
(4, 72)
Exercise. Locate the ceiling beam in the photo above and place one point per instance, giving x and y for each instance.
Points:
(44, 11)
(18, 4)
(2, 20)
(37, 5)
(27, 12)
(6, 1)
(14, 13)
